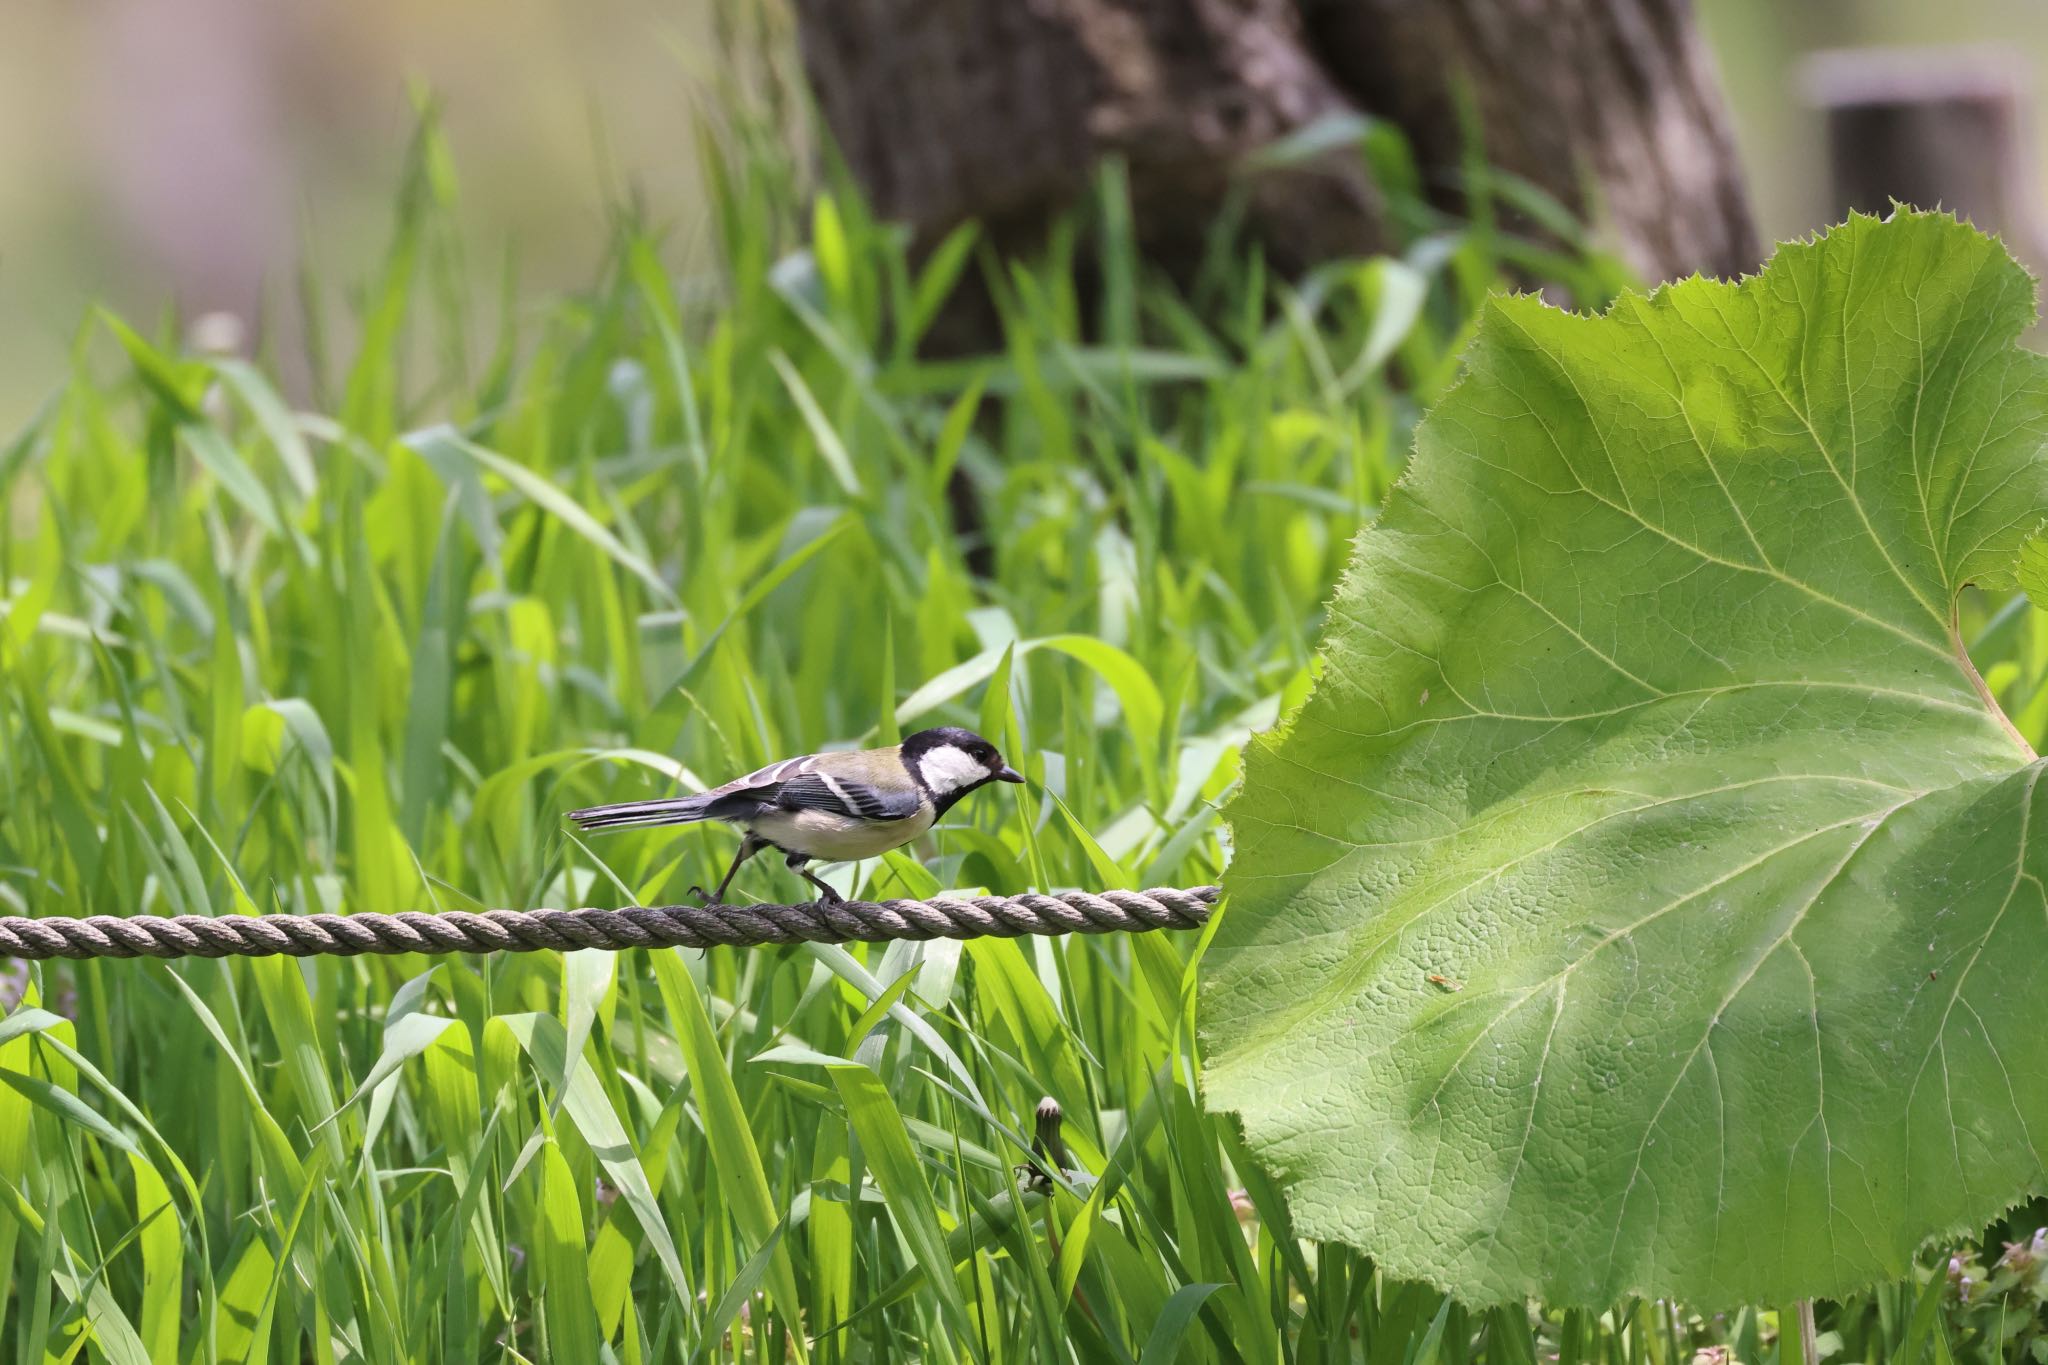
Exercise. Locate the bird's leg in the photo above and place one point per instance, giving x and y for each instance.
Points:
(749, 846)
(796, 865)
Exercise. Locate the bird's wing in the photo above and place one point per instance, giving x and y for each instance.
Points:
(761, 783)
(845, 796)
(861, 787)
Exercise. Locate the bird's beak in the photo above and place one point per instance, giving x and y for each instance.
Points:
(1008, 774)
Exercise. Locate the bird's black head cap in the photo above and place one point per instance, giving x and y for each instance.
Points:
(924, 741)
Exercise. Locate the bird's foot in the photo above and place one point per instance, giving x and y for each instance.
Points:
(826, 895)
(704, 898)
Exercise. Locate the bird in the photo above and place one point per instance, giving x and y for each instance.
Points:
(833, 807)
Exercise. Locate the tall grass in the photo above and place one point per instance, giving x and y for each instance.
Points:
(361, 652)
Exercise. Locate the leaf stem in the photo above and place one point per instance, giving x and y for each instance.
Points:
(1809, 1337)
(1969, 667)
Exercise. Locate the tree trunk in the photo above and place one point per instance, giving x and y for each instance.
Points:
(998, 110)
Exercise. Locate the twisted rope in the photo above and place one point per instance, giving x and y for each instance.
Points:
(639, 926)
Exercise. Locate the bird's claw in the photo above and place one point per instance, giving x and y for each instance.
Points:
(704, 898)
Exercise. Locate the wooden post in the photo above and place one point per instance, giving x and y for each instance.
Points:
(1931, 127)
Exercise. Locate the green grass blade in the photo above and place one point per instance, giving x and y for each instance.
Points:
(885, 1146)
(1162, 1344)
(742, 1180)
(588, 1108)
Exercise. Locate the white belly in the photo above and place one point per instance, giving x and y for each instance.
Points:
(833, 838)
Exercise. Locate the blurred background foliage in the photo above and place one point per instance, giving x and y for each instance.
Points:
(204, 150)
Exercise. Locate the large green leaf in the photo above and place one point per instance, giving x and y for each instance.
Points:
(1648, 899)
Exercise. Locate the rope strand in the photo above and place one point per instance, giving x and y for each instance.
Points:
(639, 926)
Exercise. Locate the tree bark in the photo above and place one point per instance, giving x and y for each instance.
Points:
(999, 110)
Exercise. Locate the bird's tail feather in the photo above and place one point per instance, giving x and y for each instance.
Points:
(681, 810)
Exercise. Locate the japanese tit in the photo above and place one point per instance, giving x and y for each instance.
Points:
(832, 807)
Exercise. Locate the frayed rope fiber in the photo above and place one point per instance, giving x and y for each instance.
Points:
(639, 926)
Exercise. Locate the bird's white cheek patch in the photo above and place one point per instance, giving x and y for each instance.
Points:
(948, 768)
